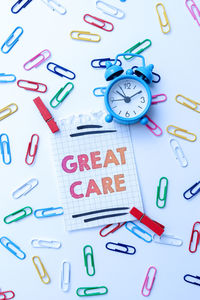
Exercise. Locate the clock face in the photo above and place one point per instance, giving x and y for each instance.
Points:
(128, 98)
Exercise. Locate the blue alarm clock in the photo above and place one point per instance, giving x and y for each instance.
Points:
(128, 97)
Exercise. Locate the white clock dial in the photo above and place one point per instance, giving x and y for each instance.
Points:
(128, 98)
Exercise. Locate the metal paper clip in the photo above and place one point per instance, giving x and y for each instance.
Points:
(25, 188)
(31, 144)
(136, 46)
(154, 80)
(101, 62)
(167, 240)
(196, 282)
(102, 24)
(12, 108)
(146, 289)
(165, 27)
(32, 86)
(85, 36)
(4, 78)
(45, 244)
(57, 67)
(194, 105)
(44, 276)
(121, 248)
(110, 9)
(55, 6)
(180, 156)
(159, 197)
(159, 98)
(89, 263)
(69, 87)
(91, 291)
(171, 129)
(197, 232)
(12, 40)
(48, 212)
(5, 149)
(7, 295)
(192, 191)
(20, 4)
(116, 227)
(99, 91)
(44, 54)
(139, 232)
(21, 214)
(12, 247)
(65, 276)
(192, 9)
(153, 127)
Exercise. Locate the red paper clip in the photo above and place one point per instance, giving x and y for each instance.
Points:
(147, 287)
(192, 238)
(151, 224)
(28, 153)
(153, 127)
(39, 87)
(102, 24)
(7, 295)
(118, 226)
(46, 115)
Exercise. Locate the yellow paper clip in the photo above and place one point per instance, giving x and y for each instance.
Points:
(163, 25)
(76, 35)
(43, 275)
(171, 129)
(194, 105)
(10, 111)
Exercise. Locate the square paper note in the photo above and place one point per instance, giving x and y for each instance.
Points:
(96, 171)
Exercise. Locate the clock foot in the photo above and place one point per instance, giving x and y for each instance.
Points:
(108, 118)
(144, 121)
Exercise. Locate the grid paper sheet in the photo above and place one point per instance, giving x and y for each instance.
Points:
(85, 199)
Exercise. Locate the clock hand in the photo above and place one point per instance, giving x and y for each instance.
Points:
(136, 94)
(117, 100)
(122, 90)
(120, 94)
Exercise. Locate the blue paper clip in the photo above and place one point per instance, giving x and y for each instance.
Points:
(126, 249)
(192, 191)
(17, 4)
(41, 213)
(5, 149)
(99, 91)
(101, 62)
(134, 228)
(12, 40)
(4, 75)
(15, 250)
(55, 67)
(197, 282)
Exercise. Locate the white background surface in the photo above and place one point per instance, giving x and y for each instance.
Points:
(176, 59)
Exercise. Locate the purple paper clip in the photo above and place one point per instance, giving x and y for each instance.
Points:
(192, 9)
(45, 54)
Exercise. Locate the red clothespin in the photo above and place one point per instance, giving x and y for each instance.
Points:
(46, 115)
(151, 224)
(31, 144)
(118, 226)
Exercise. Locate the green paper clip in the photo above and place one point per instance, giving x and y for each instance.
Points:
(21, 216)
(130, 50)
(100, 290)
(55, 98)
(89, 263)
(159, 197)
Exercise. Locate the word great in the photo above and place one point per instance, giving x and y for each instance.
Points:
(85, 162)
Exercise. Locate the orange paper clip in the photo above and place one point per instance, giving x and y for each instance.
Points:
(32, 145)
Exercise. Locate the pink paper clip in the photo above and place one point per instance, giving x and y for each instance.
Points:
(192, 9)
(102, 24)
(159, 97)
(146, 290)
(153, 127)
(118, 226)
(7, 295)
(45, 54)
(32, 145)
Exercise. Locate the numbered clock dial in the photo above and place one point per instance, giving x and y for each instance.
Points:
(128, 98)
